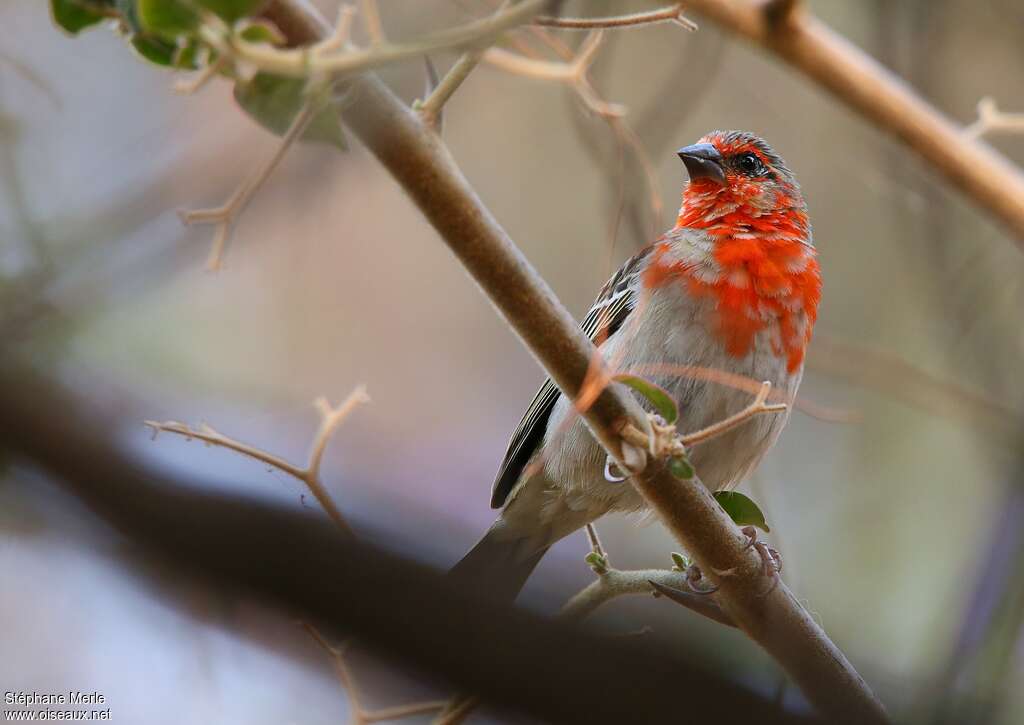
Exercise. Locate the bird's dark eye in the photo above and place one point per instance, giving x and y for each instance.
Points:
(750, 165)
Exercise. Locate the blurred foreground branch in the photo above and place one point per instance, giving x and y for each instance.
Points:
(401, 609)
(865, 85)
(419, 161)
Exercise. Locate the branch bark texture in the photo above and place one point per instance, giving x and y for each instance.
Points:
(420, 162)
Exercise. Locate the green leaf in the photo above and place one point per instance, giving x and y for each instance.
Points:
(681, 468)
(274, 102)
(741, 509)
(154, 49)
(679, 561)
(260, 31)
(75, 16)
(657, 396)
(178, 17)
(168, 18)
(232, 10)
(164, 52)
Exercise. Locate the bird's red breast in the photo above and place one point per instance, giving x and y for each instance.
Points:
(766, 274)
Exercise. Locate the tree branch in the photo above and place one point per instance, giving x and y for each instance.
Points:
(300, 63)
(422, 165)
(615, 583)
(992, 120)
(670, 14)
(861, 82)
(330, 419)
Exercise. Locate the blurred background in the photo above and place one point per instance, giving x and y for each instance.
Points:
(898, 509)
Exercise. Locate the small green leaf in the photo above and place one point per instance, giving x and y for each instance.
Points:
(75, 16)
(260, 31)
(164, 52)
(232, 10)
(681, 562)
(154, 49)
(171, 18)
(741, 509)
(168, 18)
(657, 396)
(681, 468)
(187, 56)
(274, 101)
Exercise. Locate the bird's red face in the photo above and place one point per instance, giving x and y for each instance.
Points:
(761, 269)
(737, 183)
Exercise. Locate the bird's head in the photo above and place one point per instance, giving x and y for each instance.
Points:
(739, 185)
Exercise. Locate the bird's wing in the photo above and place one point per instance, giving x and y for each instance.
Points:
(605, 317)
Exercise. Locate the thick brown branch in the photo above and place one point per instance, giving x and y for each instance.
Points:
(865, 85)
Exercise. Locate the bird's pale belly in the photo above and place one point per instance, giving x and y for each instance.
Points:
(676, 327)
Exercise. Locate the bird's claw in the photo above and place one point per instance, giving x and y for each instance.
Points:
(694, 577)
(771, 560)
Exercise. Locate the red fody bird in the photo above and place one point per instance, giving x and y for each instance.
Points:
(732, 287)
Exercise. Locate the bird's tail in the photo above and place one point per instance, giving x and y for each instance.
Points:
(499, 565)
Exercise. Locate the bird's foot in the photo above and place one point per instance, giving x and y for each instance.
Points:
(694, 579)
(771, 560)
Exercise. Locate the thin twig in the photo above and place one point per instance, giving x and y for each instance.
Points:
(223, 217)
(663, 441)
(330, 419)
(188, 86)
(595, 542)
(431, 108)
(358, 714)
(992, 120)
(347, 60)
(371, 19)
(757, 407)
(570, 72)
(670, 14)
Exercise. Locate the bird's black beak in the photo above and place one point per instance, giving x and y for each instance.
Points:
(703, 161)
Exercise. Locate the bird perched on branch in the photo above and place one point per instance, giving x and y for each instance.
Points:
(732, 287)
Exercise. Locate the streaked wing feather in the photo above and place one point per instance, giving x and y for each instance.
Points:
(605, 317)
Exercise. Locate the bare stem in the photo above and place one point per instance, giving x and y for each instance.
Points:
(595, 542)
(758, 407)
(670, 14)
(223, 217)
(330, 419)
(347, 60)
(371, 19)
(992, 120)
(358, 714)
(615, 583)
(431, 108)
